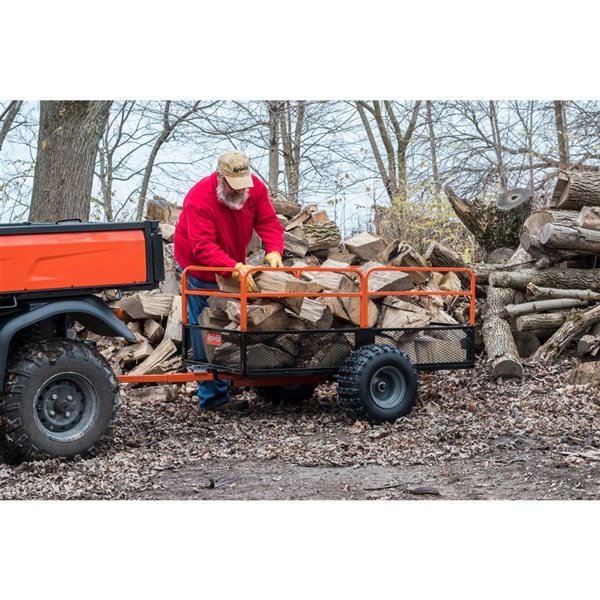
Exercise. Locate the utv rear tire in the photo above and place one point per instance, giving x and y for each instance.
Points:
(60, 399)
(378, 383)
(294, 393)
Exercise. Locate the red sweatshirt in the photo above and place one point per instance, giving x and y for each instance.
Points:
(211, 234)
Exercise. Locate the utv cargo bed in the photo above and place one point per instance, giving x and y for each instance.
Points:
(39, 260)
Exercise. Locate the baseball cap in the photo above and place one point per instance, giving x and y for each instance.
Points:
(235, 167)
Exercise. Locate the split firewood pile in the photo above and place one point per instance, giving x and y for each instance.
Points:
(311, 239)
(543, 300)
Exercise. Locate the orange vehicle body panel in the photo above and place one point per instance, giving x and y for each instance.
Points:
(50, 261)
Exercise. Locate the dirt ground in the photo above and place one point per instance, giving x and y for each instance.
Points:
(468, 438)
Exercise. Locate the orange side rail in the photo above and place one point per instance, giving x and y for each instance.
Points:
(364, 293)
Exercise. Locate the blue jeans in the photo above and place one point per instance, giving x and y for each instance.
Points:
(210, 393)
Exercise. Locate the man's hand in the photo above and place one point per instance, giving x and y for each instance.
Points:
(273, 259)
(250, 283)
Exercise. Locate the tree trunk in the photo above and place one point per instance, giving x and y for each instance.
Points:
(491, 226)
(574, 326)
(575, 190)
(432, 144)
(570, 238)
(579, 279)
(64, 171)
(274, 107)
(562, 133)
(536, 220)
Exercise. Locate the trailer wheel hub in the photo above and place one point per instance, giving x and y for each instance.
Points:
(388, 387)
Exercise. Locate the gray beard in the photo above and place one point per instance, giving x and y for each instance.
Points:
(233, 200)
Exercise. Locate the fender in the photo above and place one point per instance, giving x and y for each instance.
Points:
(90, 311)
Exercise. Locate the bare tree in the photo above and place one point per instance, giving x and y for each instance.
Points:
(69, 134)
(274, 107)
(393, 171)
(7, 118)
(169, 123)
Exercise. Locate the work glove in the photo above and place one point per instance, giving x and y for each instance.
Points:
(250, 283)
(273, 259)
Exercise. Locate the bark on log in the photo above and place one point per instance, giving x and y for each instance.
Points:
(439, 255)
(545, 257)
(322, 236)
(575, 190)
(536, 220)
(579, 279)
(512, 311)
(589, 218)
(548, 293)
(574, 326)
(586, 241)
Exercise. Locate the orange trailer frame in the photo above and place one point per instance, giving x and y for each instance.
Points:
(240, 379)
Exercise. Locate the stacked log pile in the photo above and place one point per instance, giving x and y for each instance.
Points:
(310, 239)
(544, 299)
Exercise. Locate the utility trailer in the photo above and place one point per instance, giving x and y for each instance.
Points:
(59, 396)
(376, 368)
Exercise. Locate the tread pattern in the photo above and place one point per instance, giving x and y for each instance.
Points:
(349, 396)
(15, 442)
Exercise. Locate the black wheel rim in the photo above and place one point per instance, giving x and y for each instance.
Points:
(66, 407)
(388, 387)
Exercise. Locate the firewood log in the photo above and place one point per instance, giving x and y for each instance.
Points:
(365, 245)
(548, 293)
(574, 190)
(441, 256)
(512, 311)
(589, 218)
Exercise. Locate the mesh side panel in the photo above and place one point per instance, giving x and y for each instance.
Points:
(221, 347)
(302, 349)
(431, 346)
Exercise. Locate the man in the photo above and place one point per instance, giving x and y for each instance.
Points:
(214, 230)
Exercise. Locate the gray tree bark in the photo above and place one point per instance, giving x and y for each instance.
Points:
(68, 140)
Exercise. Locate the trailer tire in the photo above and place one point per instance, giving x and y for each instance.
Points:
(378, 383)
(60, 399)
(296, 393)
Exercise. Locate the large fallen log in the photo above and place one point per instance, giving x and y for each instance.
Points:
(570, 238)
(512, 311)
(322, 235)
(575, 325)
(579, 279)
(545, 257)
(536, 220)
(575, 190)
(541, 322)
(497, 335)
(548, 293)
